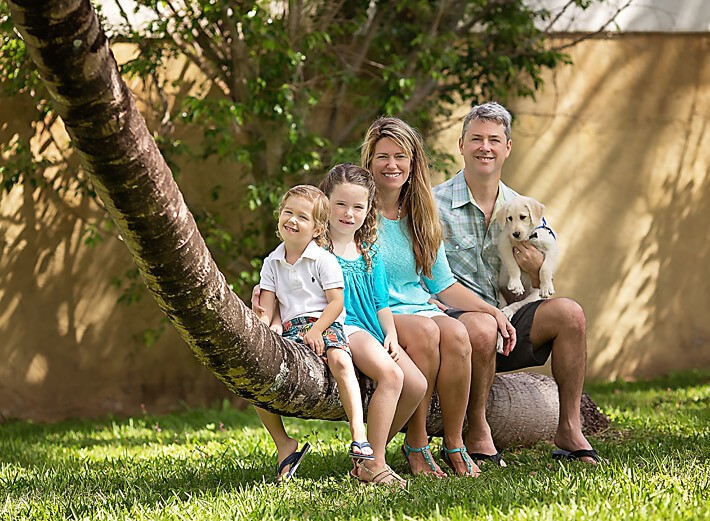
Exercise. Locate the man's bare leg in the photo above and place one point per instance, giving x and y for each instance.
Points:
(562, 321)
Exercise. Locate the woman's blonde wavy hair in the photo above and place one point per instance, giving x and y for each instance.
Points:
(416, 199)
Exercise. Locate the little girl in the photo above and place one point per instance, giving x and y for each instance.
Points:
(308, 283)
(369, 323)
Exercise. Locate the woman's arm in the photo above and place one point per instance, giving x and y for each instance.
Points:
(460, 297)
(265, 311)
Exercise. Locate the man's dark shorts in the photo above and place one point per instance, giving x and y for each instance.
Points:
(523, 355)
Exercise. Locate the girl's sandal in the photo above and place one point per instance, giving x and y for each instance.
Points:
(361, 446)
(425, 451)
(385, 476)
(446, 456)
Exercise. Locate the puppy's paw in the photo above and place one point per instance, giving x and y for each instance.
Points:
(516, 287)
(499, 344)
(546, 290)
(508, 311)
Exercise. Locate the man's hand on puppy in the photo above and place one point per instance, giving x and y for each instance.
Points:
(530, 259)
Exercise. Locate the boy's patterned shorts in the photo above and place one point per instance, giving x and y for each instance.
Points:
(333, 337)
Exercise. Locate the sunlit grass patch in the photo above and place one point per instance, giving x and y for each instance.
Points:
(220, 464)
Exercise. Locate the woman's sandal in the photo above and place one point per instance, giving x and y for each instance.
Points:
(360, 455)
(446, 456)
(426, 453)
(385, 476)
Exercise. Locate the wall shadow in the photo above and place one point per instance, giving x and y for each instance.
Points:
(618, 149)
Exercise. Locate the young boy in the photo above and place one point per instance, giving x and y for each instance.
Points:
(307, 283)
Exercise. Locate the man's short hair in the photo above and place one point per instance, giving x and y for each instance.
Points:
(490, 111)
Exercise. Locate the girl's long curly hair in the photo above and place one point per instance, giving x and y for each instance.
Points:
(366, 235)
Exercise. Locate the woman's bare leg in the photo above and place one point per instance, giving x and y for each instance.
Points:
(419, 336)
(413, 391)
(453, 385)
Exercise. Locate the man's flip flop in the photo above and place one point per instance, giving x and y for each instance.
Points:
(294, 460)
(359, 455)
(576, 454)
(496, 458)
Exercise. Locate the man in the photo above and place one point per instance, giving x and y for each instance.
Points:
(555, 327)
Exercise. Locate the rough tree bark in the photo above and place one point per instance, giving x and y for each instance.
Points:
(72, 55)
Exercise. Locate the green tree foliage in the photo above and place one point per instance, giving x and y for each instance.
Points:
(288, 88)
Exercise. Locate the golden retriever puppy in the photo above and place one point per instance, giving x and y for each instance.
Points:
(521, 220)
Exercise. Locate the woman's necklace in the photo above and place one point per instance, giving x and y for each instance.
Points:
(387, 213)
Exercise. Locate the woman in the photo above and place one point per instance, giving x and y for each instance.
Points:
(410, 239)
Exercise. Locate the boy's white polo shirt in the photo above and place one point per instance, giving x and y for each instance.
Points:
(300, 287)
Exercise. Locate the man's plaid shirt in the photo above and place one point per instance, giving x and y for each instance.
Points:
(471, 249)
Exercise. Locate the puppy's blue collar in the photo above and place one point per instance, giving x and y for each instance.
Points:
(543, 226)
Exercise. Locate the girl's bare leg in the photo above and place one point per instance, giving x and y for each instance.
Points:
(372, 359)
(341, 365)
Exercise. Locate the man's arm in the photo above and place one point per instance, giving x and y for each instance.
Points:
(464, 299)
(530, 261)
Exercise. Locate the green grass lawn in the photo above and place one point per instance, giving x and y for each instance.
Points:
(219, 464)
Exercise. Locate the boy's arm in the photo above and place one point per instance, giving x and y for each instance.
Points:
(276, 323)
(336, 300)
(314, 337)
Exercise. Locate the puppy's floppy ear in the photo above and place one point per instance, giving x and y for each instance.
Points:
(536, 210)
(500, 215)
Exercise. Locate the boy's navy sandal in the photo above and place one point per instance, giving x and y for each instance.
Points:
(359, 455)
(294, 460)
(576, 454)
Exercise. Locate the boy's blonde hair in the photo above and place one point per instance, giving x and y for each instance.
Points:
(320, 214)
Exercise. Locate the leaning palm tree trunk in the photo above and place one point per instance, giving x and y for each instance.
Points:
(72, 54)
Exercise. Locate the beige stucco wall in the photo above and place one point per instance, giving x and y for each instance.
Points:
(618, 149)
(616, 146)
(68, 347)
